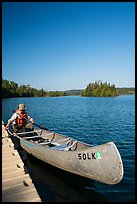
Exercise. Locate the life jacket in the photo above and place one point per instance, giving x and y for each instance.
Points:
(20, 120)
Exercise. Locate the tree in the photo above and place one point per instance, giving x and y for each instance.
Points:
(100, 89)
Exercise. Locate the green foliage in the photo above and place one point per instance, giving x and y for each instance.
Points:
(123, 91)
(100, 89)
(73, 92)
(12, 89)
(9, 88)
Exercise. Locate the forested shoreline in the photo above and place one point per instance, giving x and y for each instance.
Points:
(97, 89)
(100, 89)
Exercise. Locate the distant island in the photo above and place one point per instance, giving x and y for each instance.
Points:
(97, 89)
(100, 89)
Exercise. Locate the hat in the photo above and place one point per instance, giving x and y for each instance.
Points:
(21, 107)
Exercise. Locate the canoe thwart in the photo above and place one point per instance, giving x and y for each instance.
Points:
(57, 142)
(64, 147)
(54, 142)
(37, 136)
(34, 131)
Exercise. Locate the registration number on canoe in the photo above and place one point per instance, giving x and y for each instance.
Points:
(93, 155)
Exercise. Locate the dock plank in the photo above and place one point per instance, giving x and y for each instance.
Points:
(17, 185)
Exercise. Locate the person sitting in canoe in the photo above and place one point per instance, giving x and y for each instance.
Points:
(19, 120)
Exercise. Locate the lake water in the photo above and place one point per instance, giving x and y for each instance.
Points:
(91, 120)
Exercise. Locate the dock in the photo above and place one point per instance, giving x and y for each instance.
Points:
(17, 185)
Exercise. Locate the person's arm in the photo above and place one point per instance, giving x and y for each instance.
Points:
(8, 123)
(14, 116)
(30, 119)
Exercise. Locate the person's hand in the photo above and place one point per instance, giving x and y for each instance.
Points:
(32, 121)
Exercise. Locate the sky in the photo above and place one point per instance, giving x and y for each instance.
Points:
(62, 46)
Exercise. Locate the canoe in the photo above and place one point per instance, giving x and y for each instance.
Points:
(102, 163)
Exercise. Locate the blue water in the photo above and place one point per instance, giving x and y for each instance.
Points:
(91, 120)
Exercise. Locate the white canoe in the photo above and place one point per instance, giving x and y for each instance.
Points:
(102, 163)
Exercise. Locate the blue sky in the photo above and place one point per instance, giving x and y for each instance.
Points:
(67, 45)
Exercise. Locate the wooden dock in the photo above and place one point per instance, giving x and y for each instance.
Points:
(17, 185)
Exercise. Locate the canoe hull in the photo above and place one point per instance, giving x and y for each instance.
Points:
(102, 163)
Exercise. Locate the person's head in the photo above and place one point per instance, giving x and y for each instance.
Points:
(22, 107)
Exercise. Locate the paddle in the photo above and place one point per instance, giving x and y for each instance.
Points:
(34, 123)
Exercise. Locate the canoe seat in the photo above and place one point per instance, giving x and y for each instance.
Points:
(57, 142)
(24, 133)
(37, 136)
(53, 142)
(64, 147)
(48, 140)
(44, 143)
